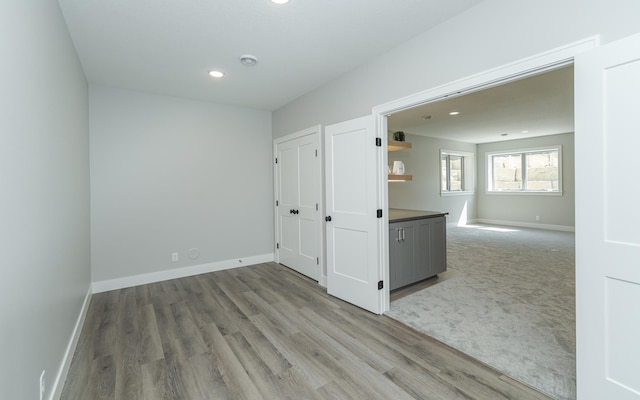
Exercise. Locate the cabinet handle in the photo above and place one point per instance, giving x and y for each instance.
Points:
(403, 234)
(398, 237)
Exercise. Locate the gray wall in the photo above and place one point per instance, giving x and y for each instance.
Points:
(170, 174)
(44, 206)
(492, 34)
(553, 210)
(423, 192)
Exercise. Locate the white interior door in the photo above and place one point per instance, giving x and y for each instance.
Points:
(607, 94)
(297, 198)
(353, 233)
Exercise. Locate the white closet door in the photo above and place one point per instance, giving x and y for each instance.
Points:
(353, 233)
(298, 195)
(607, 93)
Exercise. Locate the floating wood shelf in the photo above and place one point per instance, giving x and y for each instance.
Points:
(394, 145)
(400, 178)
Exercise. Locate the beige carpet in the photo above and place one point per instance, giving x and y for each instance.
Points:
(508, 300)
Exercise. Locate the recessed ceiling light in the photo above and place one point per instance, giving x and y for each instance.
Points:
(216, 74)
(248, 60)
(280, 1)
(525, 131)
(454, 113)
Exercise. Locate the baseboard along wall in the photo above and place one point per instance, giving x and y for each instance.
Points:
(551, 227)
(63, 370)
(143, 279)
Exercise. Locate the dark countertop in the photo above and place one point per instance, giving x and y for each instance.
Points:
(398, 214)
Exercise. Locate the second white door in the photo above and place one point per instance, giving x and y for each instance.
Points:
(297, 197)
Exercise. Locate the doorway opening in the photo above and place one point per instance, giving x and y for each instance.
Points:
(561, 59)
(507, 286)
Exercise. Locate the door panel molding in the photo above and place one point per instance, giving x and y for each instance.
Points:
(302, 253)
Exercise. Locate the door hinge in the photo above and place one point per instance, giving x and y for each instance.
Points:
(277, 245)
(316, 206)
(276, 160)
(380, 285)
(318, 260)
(277, 203)
(316, 152)
(379, 213)
(379, 142)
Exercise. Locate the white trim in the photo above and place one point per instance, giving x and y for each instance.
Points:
(523, 193)
(536, 64)
(468, 173)
(61, 376)
(458, 193)
(533, 65)
(489, 171)
(317, 131)
(143, 279)
(550, 227)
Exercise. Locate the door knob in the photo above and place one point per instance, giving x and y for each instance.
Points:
(328, 218)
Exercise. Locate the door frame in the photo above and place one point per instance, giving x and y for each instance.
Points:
(542, 62)
(317, 132)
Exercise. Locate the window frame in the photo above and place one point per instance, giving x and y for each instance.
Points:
(467, 168)
(523, 153)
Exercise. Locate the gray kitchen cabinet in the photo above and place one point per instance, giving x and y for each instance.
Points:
(417, 250)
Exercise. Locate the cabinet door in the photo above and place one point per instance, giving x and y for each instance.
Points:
(407, 270)
(401, 254)
(424, 249)
(394, 256)
(438, 245)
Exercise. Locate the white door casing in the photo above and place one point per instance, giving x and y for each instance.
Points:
(298, 198)
(607, 96)
(535, 64)
(354, 231)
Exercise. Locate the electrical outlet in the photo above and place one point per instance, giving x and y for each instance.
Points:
(537, 218)
(42, 385)
(174, 256)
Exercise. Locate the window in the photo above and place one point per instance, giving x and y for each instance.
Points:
(456, 172)
(525, 171)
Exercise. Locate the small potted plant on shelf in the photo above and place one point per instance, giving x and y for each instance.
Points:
(398, 136)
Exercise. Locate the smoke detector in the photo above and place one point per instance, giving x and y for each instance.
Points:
(248, 60)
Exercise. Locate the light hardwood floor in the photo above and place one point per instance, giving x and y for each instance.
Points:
(263, 332)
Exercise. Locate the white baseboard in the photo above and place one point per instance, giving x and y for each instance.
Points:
(61, 376)
(550, 227)
(130, 281)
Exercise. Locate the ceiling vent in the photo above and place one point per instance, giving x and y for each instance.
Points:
(248, 60)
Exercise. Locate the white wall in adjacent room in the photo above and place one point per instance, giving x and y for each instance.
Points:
(170, 175)
(44, 205)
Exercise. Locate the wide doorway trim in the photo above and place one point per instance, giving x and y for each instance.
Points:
(537, 64)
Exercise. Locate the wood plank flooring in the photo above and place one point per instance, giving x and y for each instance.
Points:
(263, 332)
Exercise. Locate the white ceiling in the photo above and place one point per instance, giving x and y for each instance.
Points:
(541, 105)
(168, 47)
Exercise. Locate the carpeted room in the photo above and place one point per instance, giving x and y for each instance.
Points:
(507, 299)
